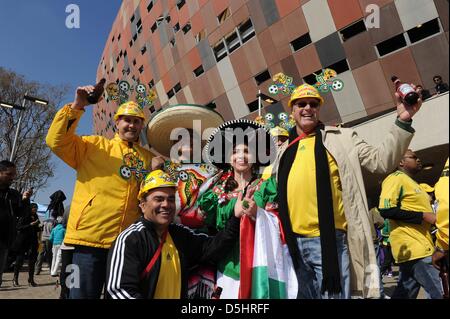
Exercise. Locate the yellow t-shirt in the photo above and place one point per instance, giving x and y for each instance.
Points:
(302, 194)
(169, 280)
(441, 192)
(408, 241)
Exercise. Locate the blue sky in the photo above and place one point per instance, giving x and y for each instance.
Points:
(35, 42)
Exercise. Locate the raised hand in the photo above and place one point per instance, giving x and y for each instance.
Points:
(246, 205)
(81, 95)
(406, 112)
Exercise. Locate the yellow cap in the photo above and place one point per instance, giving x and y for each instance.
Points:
(130, 108)
(304, 91)
(427, 188)
(155, 179)
(279, 131)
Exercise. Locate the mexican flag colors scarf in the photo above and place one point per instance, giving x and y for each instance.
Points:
(266, 267)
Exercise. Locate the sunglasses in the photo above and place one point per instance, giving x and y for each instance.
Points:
(313, 105)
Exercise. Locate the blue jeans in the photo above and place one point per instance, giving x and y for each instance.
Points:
(417, 273)
(310, 274)
(91, 263)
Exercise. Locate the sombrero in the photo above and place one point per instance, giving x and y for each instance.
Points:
(227, 135)
(165, 121)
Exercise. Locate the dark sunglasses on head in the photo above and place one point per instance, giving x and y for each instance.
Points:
(313, 105)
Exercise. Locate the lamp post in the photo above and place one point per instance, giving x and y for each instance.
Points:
(21, 110)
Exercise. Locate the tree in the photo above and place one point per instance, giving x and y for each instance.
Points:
(32, 156)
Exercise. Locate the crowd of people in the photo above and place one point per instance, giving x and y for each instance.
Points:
(165, 227)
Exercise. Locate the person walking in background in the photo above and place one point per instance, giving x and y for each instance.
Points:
(410, 215)
(27, 243)
(56, 238)
(56, 206)
(386, 266)
(12, 206)
(440, 258)
(46, 253)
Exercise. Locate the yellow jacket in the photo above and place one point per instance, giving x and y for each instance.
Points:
(441, 192)
(104, 203)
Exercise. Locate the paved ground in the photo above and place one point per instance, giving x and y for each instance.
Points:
(47, 288)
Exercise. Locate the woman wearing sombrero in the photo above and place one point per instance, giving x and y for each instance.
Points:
(239, 148)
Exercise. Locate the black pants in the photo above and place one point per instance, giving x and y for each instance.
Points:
(388, 259)
(66, 259)
(31, 250)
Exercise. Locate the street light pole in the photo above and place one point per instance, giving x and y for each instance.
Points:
(22, 109)
(18, 128)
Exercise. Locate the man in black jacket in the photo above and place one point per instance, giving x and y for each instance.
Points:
(151, 258)
(12, 206)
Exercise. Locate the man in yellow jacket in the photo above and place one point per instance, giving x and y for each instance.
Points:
(109, 172)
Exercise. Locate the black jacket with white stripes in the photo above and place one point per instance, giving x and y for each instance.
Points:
(135, 246)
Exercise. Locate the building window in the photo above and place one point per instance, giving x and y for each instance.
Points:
(172, 42)
(220, 51)
(112, 40)
(300, 42)
(131, 43)
(262, 77)
(139, 26)
(125, 53)
(144, 49)
(232, 42)
(177, 87)
(132, 19)
(223, 15)
(353, 30)
(424, 30)
(311, 79)
(154, 27)
(135, 37)
(141, 69)
(170, 93)
(134, 62)
(186, 28)
(253, 106)
(180, 4)
(150, 6)
(200, 36)
(246, 30)
(198, 71)
(339, 67)
(211, 105)
(121, 53)
(391, 45)
(152, 109)
(118, 58)
(112, 70)
(151, 84)
(176, 27)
